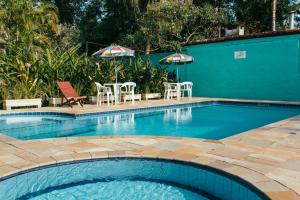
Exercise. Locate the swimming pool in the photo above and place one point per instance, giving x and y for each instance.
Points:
(126, 179)
(210, 120)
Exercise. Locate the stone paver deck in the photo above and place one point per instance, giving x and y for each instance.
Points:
(267, 157)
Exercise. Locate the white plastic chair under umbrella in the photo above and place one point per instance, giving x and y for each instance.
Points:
(170, 89)
(101, 92)
(186, 87)
(127, 90)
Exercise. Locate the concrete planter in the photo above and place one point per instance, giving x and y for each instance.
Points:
(148, 96)
(55, 101)
(8, 104)
(137, 97)
(93, 99)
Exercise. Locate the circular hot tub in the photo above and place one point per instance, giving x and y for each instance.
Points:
(126, 179)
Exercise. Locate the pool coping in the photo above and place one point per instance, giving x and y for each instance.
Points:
(153, 108)
(205, 152)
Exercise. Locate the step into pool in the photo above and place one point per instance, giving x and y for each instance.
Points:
(210, 120)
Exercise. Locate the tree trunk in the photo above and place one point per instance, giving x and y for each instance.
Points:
(274, 8)
(148, 46)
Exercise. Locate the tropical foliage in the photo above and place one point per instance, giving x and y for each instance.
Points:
(38, 51)
(37, 78)
(21, 79)
(28, 22)
(25, 75)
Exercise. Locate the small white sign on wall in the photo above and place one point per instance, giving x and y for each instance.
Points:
(240, 54)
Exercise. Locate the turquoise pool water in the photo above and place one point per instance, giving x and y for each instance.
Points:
(209, 121)
(126, 179)
(121, 190)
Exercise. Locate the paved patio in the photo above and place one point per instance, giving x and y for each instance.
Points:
(267, 157)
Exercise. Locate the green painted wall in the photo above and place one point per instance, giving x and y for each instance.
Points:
(270, 71)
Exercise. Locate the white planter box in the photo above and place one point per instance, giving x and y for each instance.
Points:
(8, 104)
(93, 99)
(151, 96)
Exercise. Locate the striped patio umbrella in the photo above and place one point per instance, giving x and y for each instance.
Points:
(113, 52)
(177, 59)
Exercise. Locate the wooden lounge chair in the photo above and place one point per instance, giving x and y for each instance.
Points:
(69, 94)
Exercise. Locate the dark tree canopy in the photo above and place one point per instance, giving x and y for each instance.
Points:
(256, 15)
(113, 21)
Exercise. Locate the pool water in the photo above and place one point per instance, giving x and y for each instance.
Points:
(126, 179)
(125, 190)
(209, 121)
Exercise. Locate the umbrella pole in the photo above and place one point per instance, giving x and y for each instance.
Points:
(115, 86)
(116, 73)
(177, 75)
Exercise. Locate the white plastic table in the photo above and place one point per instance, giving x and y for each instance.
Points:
(116, 88)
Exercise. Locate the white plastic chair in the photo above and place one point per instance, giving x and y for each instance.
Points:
(127, 90)
(166, 90)
(101, 92)
(186, 87)
(170, 89)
